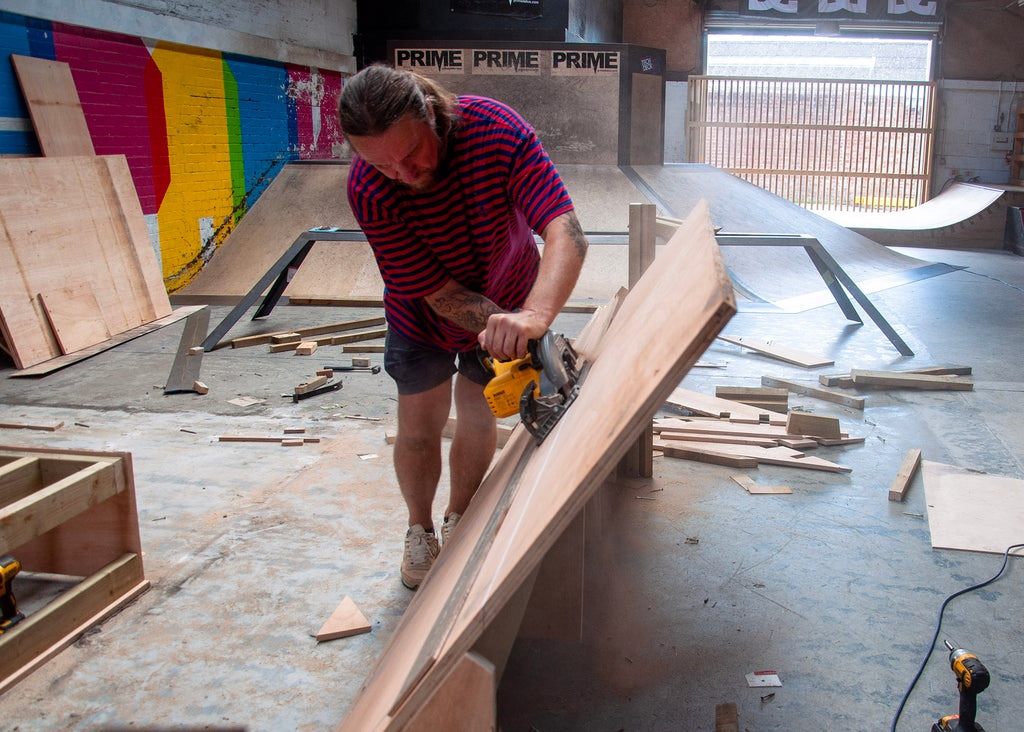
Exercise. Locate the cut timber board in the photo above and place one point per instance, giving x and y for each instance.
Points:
(54, 106)
(69, 222)
(712, 406)
(752, 487)
(901, 380)
(814, 391)
(769, 455)
(534, 492)
(782, 353)
(971, 510)
(901, 482)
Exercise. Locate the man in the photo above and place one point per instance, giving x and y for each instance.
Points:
(448, 191)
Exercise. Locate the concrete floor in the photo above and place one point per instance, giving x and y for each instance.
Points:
(250, 546)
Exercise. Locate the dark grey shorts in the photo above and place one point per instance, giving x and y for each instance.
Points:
(416, 369)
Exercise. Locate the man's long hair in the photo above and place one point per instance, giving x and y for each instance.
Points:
(379, 96)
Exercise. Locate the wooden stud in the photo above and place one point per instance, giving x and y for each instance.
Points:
(780, 352)
(904, 380)
(813, 391)
(901, 482)
(813, 425)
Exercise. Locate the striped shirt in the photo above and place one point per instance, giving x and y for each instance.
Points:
(475, 226)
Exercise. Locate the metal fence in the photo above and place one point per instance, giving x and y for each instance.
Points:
(837, 145)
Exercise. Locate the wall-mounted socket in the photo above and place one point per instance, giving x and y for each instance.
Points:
(1000, 141)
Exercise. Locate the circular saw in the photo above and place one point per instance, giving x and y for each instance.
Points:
(540, 386)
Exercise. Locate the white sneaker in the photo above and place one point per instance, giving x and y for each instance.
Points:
(420, 551)
(448, 527)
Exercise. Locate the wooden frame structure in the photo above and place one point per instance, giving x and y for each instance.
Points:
(72, 513)
(473, 600)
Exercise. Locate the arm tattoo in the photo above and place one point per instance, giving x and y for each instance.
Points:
(575, 232)
(465, 308)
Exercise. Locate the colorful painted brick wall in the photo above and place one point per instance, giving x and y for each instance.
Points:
(204, 132)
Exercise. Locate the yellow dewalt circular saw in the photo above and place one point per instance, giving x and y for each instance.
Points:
(540, 386)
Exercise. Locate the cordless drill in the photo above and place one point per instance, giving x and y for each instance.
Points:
(9, 615)
(972, 678)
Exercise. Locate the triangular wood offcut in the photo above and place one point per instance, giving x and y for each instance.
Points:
(346, 620)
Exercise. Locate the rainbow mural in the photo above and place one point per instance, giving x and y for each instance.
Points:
(204, 132)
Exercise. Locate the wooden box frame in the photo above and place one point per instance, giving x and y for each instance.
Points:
(67, 512)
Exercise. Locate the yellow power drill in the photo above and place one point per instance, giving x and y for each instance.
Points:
(9, 615)
(972, 678)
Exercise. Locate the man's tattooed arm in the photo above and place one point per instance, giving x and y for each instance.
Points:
(465, 308)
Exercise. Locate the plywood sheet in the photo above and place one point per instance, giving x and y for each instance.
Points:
(534, 492)
(971, 510)
(74, 316)
(54, 106)
(66, 222)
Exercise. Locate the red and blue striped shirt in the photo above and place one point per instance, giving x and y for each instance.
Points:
(475, 226)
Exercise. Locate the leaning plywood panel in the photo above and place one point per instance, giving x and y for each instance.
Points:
(70, 222)
(54, 106)
(534, 492)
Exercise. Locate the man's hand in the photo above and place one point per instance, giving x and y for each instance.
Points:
(508, 334)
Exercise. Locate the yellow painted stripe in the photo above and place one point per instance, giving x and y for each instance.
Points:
(199, 159)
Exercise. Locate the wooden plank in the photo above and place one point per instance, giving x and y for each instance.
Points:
(54, 106)
(900, 484)
(735, 440)
(264, 338)
(711, 427)
(329, 340)
(711, 406)
(726, 718)
(813, 391)
(813, 425)
(751, 486)
(25, 426)
(533, 492)
(345, 621)
(755, 393)
(782, 353)
(703, 454)
(773, 456)
(55, 364)
(902, 380)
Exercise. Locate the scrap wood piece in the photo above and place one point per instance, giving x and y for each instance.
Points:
(345, 621)
(810, 424)
(845, 440)
(263, 438)
(813, 391)
(705, 437)
(782, 353)
(23, 426)
(316, 330)
(905, 380)
(972, 510)
(846, 382)
(305, 348)
(775, 456)
(364, 348)
(308, 386)
(712, 406)
(329, 340)
(703, 454)
(901, 482)
(750, 486)
(711, 427)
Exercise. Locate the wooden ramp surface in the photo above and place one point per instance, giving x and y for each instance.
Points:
(774, 274)
(957, 203)
(534, 492)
